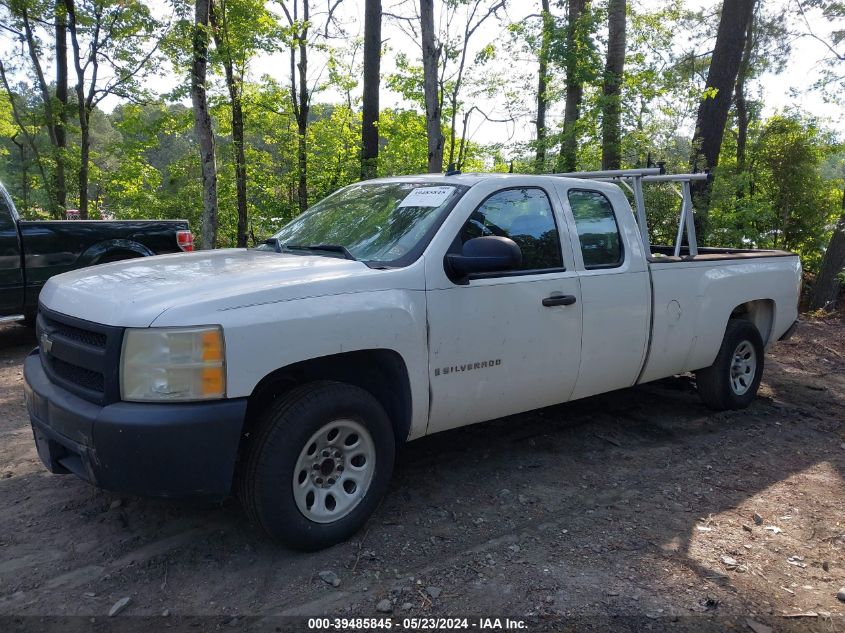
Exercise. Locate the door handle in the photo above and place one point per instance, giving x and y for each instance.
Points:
(559, 300)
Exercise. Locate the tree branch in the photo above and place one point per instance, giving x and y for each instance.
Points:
(811, 33)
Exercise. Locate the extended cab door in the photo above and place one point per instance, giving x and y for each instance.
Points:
(11, 273)
(615, 286)
(494, 347)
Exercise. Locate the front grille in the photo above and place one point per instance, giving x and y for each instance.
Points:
(94, 339)
(80, 356)
(91, 380)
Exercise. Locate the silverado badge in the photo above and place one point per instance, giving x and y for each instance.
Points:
(442, 371)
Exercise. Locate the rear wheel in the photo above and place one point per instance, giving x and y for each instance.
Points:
(731, 382)
(320, 464)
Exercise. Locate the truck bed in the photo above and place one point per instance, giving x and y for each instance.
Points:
(693, 298)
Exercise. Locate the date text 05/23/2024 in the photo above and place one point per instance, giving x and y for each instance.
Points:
(416, 624)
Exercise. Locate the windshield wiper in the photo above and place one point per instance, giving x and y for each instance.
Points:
(329, 248)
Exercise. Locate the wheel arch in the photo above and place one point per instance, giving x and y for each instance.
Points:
(381, 372)
(760, 312)
(98, 252)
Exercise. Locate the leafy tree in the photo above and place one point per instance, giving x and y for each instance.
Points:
(716, 98)
(241, 29)
(832, 87)
(547, 33)
(114, 45)
(202, 121)
(831, 84)
(578, 54)
(789, 203)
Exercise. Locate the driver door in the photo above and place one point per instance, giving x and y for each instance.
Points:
(504, 342)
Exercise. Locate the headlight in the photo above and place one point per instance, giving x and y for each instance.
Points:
(173, 364)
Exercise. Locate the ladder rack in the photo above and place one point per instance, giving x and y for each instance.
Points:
(633, 180)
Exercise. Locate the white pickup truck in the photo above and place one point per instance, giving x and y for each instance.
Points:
(393, 309)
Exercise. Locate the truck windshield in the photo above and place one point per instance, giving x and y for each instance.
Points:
(384, 222)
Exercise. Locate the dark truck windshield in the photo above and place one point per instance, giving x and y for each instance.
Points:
(387, 222)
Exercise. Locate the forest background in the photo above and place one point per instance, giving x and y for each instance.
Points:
(239, 114)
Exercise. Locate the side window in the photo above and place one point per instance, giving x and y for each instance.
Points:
(525, 216)
(601, 245)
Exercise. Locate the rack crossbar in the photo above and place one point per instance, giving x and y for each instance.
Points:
(613, 173)
(633, 180)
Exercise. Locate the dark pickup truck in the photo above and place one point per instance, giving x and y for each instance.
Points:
(32, 252)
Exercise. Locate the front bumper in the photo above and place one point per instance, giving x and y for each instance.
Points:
(161, 450)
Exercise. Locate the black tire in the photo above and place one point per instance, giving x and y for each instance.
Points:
(29, 318)
(265, 484)
(715, 385)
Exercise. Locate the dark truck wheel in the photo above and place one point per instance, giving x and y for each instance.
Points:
(731, 382)
(29, 318)
(118, 256)
(319, 465)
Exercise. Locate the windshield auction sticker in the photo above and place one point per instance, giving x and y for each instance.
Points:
(427, 197)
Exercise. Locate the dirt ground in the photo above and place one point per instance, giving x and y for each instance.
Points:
(629, 511)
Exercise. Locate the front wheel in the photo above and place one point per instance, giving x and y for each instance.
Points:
(319, 466)
(731, 382)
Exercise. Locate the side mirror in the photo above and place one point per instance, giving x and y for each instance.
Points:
(486, 254)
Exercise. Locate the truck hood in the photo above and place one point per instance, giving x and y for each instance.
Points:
(135, 292)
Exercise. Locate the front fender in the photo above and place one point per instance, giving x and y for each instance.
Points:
(263, 338)
(94, 254)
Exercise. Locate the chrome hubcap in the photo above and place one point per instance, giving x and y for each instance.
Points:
(743, 367)
(334, 471)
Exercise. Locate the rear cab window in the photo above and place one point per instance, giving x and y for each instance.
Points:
(598, 232)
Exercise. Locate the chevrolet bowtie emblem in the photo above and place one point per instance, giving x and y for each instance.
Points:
(46, 343)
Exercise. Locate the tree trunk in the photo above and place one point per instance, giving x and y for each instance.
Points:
(84, 157)
(543, 85)
(574, 89)
(430, 55)
(24, 175)
(61, 97)
(51, 187)
(611, 142)
(713, 110)
(740, 102)
(240, 164)
(234, 88)
(82, 109)
(372, 62)
(202, 122)
(826, 288)
(302, 112)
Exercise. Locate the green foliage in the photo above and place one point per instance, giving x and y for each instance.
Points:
(406, 151)
(144, 158)
(7, 124)
(783, 200)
